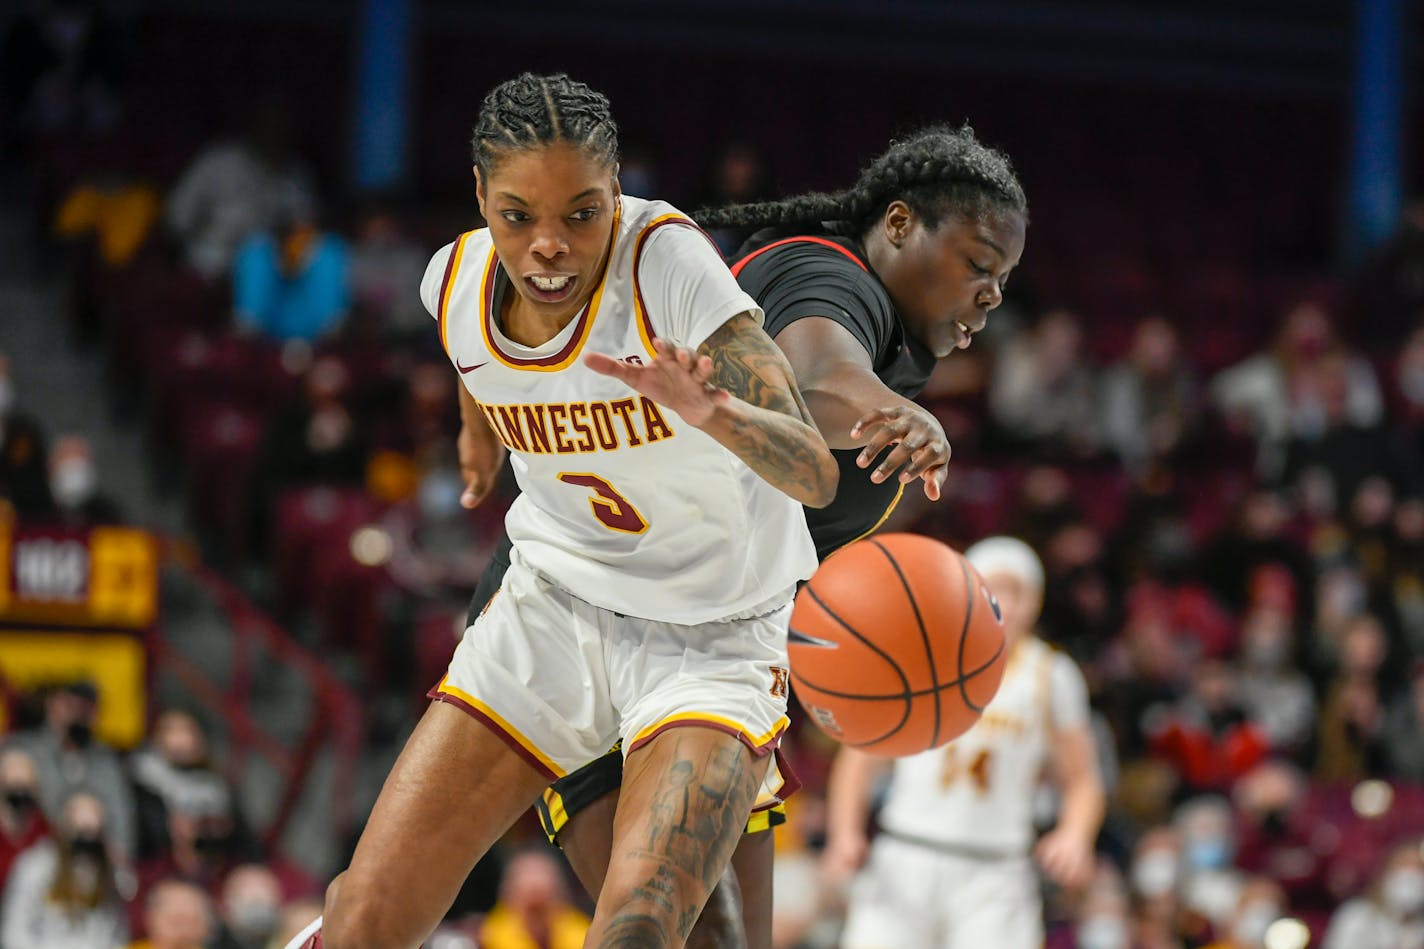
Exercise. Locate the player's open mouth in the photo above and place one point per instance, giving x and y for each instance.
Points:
(966, 335)
(551, 288)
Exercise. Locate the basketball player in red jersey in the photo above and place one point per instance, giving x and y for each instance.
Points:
(863, 290)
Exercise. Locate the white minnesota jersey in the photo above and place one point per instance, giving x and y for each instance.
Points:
(624, 504)
(977, 792)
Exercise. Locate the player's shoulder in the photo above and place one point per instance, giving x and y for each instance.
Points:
(446, 261)
(780, 250)
(645, 223)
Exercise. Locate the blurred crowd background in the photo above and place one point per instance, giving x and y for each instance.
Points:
(1202, 403)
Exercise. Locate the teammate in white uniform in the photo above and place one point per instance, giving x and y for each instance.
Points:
(952, 866)
(662, 449)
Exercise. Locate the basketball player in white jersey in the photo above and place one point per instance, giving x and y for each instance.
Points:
(663, 454)
(953, 864)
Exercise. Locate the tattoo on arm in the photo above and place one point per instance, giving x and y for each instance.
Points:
(773, 439)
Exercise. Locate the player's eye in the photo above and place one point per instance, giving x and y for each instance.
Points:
(584, 215)
(975, 266)
(514, 217)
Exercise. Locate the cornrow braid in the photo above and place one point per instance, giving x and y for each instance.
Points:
(936, 171)
(530, 111)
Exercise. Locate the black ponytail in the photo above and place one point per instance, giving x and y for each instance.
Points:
(937, 171)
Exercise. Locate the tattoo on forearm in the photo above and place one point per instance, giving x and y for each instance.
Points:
(749, 365)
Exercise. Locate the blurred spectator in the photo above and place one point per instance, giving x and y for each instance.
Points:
(1207, 736)
(63, 894)
(1210, 886)
(1278, 838)
(1403, 736)
(1102, 920)
(1391, 914)
(1275, 694)
(433, 553)
(1328, 462)
(385, 266)
(1042, 394)
(69, 759)
(314, 439)
(176, 915)
(1231, 563)
(1277, 394)
(1352, 724)
(291, 284)
(172, 768)
(251, 908)
(24, 477)
(1409, 380)
(1392, 284)
(533, 908)
(1148, 399)
(60, 68)
(234, 189)
(74, 485)
(428, 418)
(738, 175)
(21, 823)
(1159, 918)
(1261, 903)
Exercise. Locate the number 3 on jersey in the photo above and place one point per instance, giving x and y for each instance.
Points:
(612, 509)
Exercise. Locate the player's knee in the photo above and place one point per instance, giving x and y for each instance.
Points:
(352, 920)
(720, 925)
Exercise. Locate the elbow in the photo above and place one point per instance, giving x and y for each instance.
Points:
(822, 491)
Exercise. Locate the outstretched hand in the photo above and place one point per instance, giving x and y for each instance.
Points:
(676, 378)
(921, 446)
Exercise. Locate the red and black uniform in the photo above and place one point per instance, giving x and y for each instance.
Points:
(792, 276)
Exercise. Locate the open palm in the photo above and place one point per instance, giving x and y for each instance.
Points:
(677, 378)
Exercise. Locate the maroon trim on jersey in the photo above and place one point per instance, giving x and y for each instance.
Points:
(790, 783)
(514, 743)
(642, 306)
(441, 304)
(761, 751)
(737, 267)
(574, 341)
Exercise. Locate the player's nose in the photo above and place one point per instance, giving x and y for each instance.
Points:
(549, 245)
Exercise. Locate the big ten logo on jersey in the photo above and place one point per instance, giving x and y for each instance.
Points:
(779, 679)
(571, 428)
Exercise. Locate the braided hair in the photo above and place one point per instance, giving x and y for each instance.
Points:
(530, 111)
(936, 171)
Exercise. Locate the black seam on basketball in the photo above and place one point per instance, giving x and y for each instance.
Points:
(906, 696)
(924, 635)
(919, 693)
(969, 592)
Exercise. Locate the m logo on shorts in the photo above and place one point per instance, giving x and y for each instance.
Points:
(779, 678)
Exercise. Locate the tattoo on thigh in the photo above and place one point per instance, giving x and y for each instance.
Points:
(695, 819)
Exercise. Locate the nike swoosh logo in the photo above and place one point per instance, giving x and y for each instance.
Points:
(465, 369)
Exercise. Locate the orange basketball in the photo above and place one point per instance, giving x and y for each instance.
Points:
(896, 645)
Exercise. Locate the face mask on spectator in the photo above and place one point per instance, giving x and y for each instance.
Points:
(1155, 874)
(440, 492)
(1208, 853)
(21, 801)
(79, 734)
(1411, 383)
(1102, 932)
(87, 845)
(1250, 929)
(73, 483)
(254, 920)
(1404, 891)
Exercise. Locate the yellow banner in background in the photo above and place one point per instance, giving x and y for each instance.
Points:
(115, 662)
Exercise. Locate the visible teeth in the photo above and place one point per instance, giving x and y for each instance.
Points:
(963, 327)
(551, 284)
